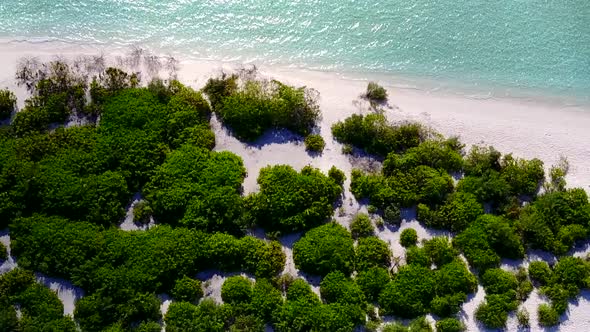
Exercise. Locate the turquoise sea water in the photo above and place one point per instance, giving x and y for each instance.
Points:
(533, 44)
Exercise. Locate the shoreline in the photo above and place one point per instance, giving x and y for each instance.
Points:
(526, 128)
(478, 90)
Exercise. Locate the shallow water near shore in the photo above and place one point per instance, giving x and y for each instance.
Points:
(491, 48)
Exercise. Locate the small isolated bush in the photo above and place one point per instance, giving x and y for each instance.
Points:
(372, 209)
(236, 289)
(379, 222)
(408, 237)
(376, 93)
(142, 212)
(547, 315)
(392, 215)
(7, 104)
(314, 143)
(347, 149)
(450, 325)
(361, 226)
(523, 318)
(187, 289)
(337, 175)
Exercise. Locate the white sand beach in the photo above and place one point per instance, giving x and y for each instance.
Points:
(527, 128)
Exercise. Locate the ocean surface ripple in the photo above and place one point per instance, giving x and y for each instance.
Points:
(532, 44)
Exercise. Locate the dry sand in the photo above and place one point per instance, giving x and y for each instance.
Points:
(528, 128)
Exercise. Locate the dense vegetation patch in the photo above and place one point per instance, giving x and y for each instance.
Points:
(198, 188)
(325, 249)
(249, 106)
(434, 280)
(291, 201)
(556, 220)
(127, 268)
(489, 239)
(7, 104)
(374, 134)
(40, 308)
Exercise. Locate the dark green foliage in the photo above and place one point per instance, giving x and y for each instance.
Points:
(501, 298)
(187, 289)
(392, 215)
(30, 120)
(299, 316)
(450, 325)
(289, 201)
(376, 93)
(142, 212)
(420, 184)
(337, 175)
(447, 305)
(441, 291)
(374, 134)
(456, 214)
(488, 239)
(498, 281)
(96, 311)
(372, 252)
(437, 154)
(41, 309)
(337, 288)
(440, 251)
(266, 299)
(408, 237)
(8, 318)
(547, 315)
(325, 249)
(361, 226)
(220, 88)
(417, 256)
(198, 188)
(523, 318)
(7, 104)
(524, 176)
(409, 293)
(300, 291)
(314, 143)
(236, 290)
(372, 281)
(556, 220)
(3, 252)
(540, 272)
(492, 178)
(569, 276)
(256, 106)
(453, 278)
(207, 316)
(122, 271)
